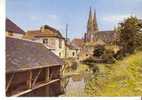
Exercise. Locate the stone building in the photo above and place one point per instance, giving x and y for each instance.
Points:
(50, 37)
(72, 51)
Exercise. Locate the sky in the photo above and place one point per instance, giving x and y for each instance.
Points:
(31, 14)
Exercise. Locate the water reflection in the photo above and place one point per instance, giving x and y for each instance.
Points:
(76, 84)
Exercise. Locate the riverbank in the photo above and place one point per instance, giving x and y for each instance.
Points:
(122, 78)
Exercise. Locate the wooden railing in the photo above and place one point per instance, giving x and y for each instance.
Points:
(33, 84)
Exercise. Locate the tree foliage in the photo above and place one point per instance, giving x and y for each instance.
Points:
(128, 34)
(98, 50)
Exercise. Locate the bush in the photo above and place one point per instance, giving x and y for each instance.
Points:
(92, 64)
(98, 50)
(108, 57)
(89, 61)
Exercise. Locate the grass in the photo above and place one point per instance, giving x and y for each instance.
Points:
(82, 68)
(123, 78)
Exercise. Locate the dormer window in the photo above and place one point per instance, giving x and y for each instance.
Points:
(45, 41)
(73, 54)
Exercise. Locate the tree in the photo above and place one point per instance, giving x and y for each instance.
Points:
(138, 36)
(127, 34)
(98, 50)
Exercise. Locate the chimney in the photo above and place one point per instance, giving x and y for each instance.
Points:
(42, 28)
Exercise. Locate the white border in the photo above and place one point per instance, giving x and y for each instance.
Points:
(2, 70)
(2, 49)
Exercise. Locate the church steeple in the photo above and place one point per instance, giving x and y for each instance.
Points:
(95, 25)
(90, 22)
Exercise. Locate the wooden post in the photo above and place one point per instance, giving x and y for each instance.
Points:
(47, 75)
(47, 80)
(29, 81)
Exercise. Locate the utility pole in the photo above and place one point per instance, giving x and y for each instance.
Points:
(66, 40)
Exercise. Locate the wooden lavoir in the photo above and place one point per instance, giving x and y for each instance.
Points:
(31, 69)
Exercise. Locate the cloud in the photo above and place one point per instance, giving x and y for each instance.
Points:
(33, 18)
(114, 18)
(52, 17)
(133, 0)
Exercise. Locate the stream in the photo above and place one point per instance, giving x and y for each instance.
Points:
(76, 85)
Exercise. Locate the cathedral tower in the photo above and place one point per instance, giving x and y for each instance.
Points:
(92, 27)
(95, 25)
(90, 22)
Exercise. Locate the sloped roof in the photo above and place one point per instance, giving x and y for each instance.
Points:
(72, 46)
(78, 42)
(24, 55)
(12, 27)
(48, 32)
(106, 36)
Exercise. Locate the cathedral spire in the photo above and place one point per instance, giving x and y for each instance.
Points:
(90, 22)
(95, 25)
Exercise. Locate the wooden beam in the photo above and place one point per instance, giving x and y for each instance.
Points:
(47, 74)
(47, 80)
(36, 87)
(36, 78)
(29, 80)
(10, 81)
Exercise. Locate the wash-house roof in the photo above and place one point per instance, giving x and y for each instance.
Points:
(24, 55)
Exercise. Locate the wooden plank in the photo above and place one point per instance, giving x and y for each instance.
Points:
(34, 88)
(10, 81)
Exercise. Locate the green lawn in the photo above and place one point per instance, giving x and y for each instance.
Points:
(124, 78)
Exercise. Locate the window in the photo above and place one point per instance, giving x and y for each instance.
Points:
(60, 43)
(60, 54)
(73, 53)
(45, 41)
